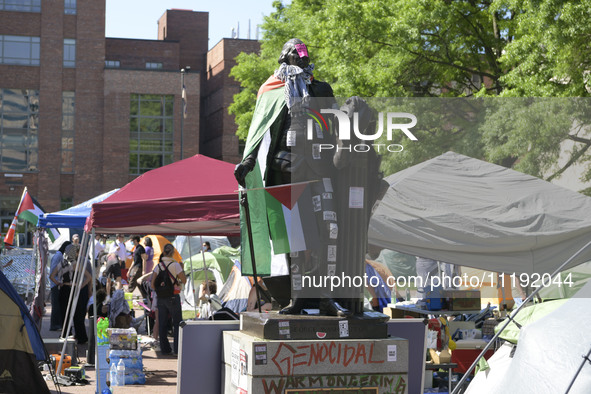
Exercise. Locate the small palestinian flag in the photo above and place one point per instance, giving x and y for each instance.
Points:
(291, 223)
(29, 210)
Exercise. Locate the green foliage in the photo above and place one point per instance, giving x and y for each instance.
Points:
(448, 48)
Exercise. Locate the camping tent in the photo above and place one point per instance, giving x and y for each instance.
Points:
(197, 195)
(188, 246)
(218, 270)
(235, 292)
(461, 210)
(74, 217)
(21, 345)
(549, 352)
(218, 267)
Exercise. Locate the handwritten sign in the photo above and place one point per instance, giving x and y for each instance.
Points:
(287, 357)
(357, 383)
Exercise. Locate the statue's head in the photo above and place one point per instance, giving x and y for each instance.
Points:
(295, 53)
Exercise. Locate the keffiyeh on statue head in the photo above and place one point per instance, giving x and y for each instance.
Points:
(295, 70)
(295, 53)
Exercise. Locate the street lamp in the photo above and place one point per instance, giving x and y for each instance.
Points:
(184, 103)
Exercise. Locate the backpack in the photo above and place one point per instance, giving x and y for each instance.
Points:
(164, 283)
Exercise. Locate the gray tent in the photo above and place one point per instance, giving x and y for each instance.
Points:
(461, 210)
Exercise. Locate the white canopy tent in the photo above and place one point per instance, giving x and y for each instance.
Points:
(548, 354)
(465, 211)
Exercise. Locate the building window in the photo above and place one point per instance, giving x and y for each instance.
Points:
(112, 63)
(68, 105)
(70, 7)
(19, 50)
(19, 120)
(69, 52)
(150, 132)
(66, 202)
(153, 66)
(21, 5)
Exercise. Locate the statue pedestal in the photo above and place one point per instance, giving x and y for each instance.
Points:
(255, 365)
(370, 325)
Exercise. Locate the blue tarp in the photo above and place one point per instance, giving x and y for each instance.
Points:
(74, 217)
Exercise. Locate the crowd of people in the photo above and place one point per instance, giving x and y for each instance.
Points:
(160, 293)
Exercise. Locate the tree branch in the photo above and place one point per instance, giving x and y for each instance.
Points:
(575, 138)
(572, 160)
(451, 64)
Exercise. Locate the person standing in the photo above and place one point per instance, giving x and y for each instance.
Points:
(118, 248)
(168, 304)
(56, 321)
(98, 246)
(66, 275)
(149, 266)
(137, 267)
(81, 305)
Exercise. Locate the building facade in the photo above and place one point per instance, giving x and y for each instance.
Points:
(221, 140)
(82, 114)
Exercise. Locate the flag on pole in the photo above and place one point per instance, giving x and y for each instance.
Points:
(29, 210)
(291, 226)
(184, 98)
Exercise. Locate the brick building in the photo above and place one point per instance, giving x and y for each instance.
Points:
(221, 140)
(81, 114)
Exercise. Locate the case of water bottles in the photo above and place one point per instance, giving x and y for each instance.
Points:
(125, 358)
(122, 338)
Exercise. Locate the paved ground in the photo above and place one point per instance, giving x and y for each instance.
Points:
(161, 371)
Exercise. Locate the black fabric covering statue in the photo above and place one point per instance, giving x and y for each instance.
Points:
(358, 178)
(294, 157)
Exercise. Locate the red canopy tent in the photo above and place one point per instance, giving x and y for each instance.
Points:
(197, 195)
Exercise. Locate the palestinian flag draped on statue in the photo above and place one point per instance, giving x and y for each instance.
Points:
(270, 103)
(29, 210)
(291, 231)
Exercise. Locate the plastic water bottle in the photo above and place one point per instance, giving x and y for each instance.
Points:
(407, 294)
(113, 373)
(121, 373)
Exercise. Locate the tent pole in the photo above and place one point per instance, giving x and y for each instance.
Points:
(97, 367)
(32, 268)
(585, 359)
(75, 290)
(191, 276)
(204, 270)
(244, 203)
(512, 316)
(70, 299)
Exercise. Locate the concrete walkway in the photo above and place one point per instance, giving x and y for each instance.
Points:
(161, 371)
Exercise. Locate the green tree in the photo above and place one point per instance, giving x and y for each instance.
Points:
(548, 56)
(442, 48)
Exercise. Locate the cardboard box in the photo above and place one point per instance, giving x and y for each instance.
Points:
(440, 358)
(463, 300)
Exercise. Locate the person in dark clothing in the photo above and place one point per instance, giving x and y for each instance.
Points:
(113, 270)
(80, 312)
(168, 304)
(137, 268)
(66, 275)
(56, 262)
(102, 310)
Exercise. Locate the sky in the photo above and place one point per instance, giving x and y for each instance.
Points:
(139, 18)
